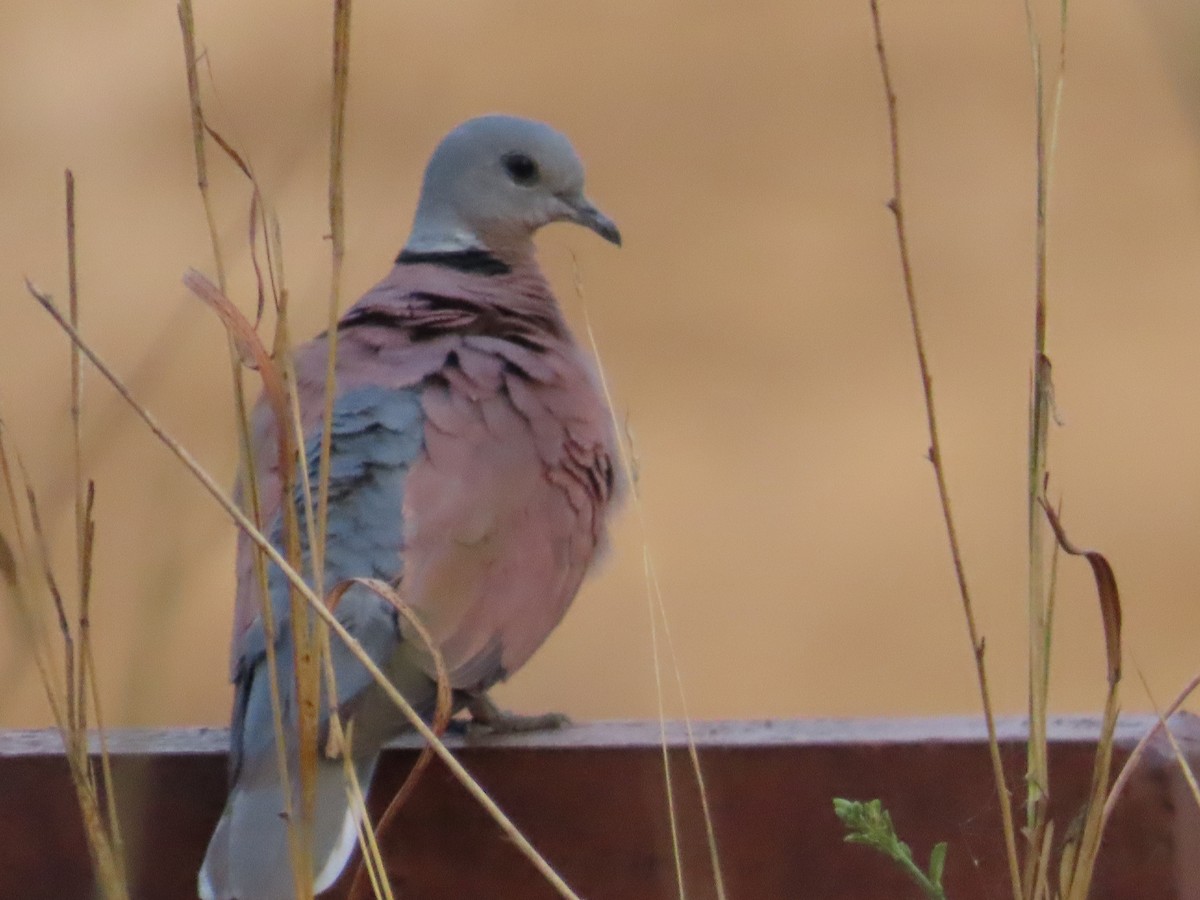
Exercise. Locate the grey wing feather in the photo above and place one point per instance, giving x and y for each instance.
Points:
(377, 435)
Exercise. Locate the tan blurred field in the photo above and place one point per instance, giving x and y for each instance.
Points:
(753, 326)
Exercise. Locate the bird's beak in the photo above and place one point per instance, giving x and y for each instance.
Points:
(585, 214)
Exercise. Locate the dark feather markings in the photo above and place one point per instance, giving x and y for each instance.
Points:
(439, 315)
(511, 368)
(594, 482)
(437, 380)
(595, 467)
(382, 318)
(474, 261)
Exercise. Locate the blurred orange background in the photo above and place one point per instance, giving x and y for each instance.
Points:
(753, 326)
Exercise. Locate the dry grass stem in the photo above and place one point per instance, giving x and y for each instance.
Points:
(306, 665)
(1037, 774)
(896, 205)
(444, 709)
(299, 850)
(85, 533)
(1079, 875)
(1041, 408)
(1139, 749)
(660, 695)
(337, 242)
(1040, 609)
(15, 568)
(1181, 759)
(311, 644)
(76, 381)
(69, 698)
(1040, 586)
(658, 613)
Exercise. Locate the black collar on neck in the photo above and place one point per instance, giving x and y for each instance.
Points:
(475, 260)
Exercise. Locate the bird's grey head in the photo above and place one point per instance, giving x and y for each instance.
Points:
(495, 180)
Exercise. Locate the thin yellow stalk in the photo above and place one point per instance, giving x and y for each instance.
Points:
(87, 667)
(84, 541)
(1041, 400)
(1037, 772)
(1078, 875)
(312, 647)
(110, 797)
(304, 642)
(896, 205)
(187, 24)
(315, 603)
(104, 847)
(339, 739)
(372, 862)
(79, 688)
(693, 754)
(337, 243)
(108, 871)
(199, 127)
(660, 694)
(76, 398)
(37, 640)
(1139, 749)
(307, 643)
(308, 646)
(298, 853)
(444, 709)
(1181, 759)
(1041, 884)
(64, 627)
(658, 612)
(308, 692)
(1093, 829)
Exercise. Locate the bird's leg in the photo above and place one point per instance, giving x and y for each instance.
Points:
(488, 717)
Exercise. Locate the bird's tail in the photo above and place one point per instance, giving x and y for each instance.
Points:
(248, 857)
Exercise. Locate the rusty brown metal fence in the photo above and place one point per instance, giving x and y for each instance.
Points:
(591, 799)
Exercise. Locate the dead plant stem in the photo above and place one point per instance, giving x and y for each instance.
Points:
(85, 495)
(250, 496)
(1127, 770)
(337, 241)
(896, 205)
(658, 612)
(1037, 774)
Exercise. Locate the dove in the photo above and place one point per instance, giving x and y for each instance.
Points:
(472, 467)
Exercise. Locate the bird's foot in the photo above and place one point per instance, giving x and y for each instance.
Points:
(488, 718)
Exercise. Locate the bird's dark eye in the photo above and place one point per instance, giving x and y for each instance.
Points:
(521, 168)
